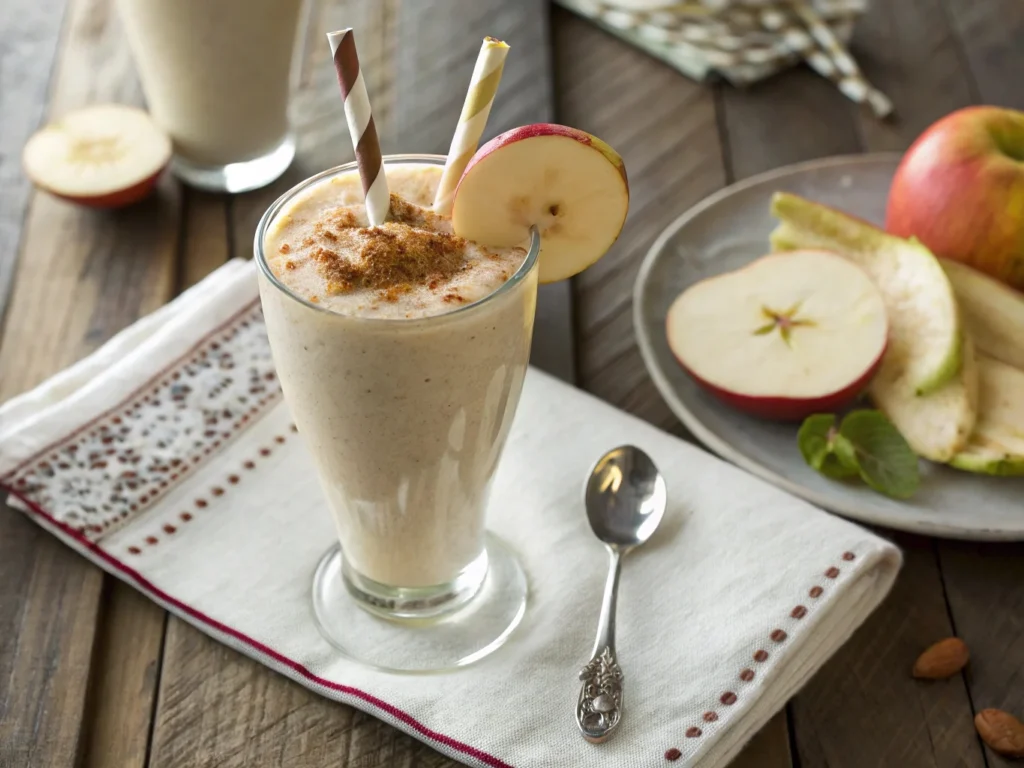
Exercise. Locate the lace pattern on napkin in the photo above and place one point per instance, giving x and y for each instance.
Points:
(116, 466)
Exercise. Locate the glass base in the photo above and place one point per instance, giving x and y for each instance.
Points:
(415, 602)
(237, 177)
(454, 633)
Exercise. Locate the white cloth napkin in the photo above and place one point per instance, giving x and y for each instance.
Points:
(168, 459)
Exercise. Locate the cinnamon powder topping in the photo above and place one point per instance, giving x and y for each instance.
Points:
(391, 258)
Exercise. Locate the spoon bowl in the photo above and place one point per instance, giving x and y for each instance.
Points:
(625, 497)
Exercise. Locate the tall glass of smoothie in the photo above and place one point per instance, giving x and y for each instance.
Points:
(217, 78)
(401, 350)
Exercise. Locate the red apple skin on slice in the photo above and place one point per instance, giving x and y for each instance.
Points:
(784, 337)
(570, 185)
(120, 199)
(103, 156)
(789, 408)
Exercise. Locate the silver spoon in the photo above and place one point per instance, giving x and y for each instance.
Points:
(625, 499)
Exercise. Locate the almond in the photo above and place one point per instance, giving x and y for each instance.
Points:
(944, 659)
(1001, 731)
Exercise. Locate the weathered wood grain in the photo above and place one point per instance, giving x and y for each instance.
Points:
(123, 679)
(83, 276)
(984, 589)
(29, 30)
(768, 748)
(205, 244)
(664, 127)
(785, 119)
(219, 708)
(991, 32)
(909, 50)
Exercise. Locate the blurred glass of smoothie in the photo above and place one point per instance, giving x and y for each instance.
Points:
(217, 77)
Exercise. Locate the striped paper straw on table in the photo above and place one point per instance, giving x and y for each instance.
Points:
(360, 125)
(479, 98)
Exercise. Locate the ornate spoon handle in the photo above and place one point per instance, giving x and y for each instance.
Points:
(599, 709)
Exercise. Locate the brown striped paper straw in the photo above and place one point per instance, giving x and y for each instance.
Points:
(482, 86)
(360, 125)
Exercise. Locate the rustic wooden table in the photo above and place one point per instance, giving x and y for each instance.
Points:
(92, 674)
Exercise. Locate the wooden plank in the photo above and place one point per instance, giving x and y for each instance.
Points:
(907, 49)
(788, 118)
(985, 590)
(29, 30)
(126, 670)
(769, 747)
(991, 32)
(220, 708)
(205, 234)
(84, 275)
(216, 707)
(664, 127)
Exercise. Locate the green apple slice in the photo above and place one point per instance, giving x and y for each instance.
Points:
(938, 425)
(993, 313)
(925, 330)
(996, 447)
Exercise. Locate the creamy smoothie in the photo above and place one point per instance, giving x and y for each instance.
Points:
(401, 350)
(216, 73)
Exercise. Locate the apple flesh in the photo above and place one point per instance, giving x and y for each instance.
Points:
(996, 447)
(926, 329)
(784, 337)
(928, 382)
(105, 156)
(993, 313)
(570, 185)
(959, 189)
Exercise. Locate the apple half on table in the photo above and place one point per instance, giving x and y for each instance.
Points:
(570, 185)
(104, 156)
(786, 336)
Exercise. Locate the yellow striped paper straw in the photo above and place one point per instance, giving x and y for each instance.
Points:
(482, 87)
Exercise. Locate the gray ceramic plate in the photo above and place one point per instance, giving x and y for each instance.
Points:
(726, 231)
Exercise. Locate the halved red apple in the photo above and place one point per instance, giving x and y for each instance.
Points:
(570, 185)
(105, 156)
(789, 335)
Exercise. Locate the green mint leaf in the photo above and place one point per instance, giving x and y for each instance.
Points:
(842, 462)
(813, 438)
(885, 461)
(824, 449)
(845, 453)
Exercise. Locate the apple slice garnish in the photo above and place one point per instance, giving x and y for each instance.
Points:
(104, 156)
(789, 335)
(569, 184)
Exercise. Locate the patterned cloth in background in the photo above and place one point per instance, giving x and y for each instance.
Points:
(743, 40)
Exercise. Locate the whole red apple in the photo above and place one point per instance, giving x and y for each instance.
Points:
(960, 190)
